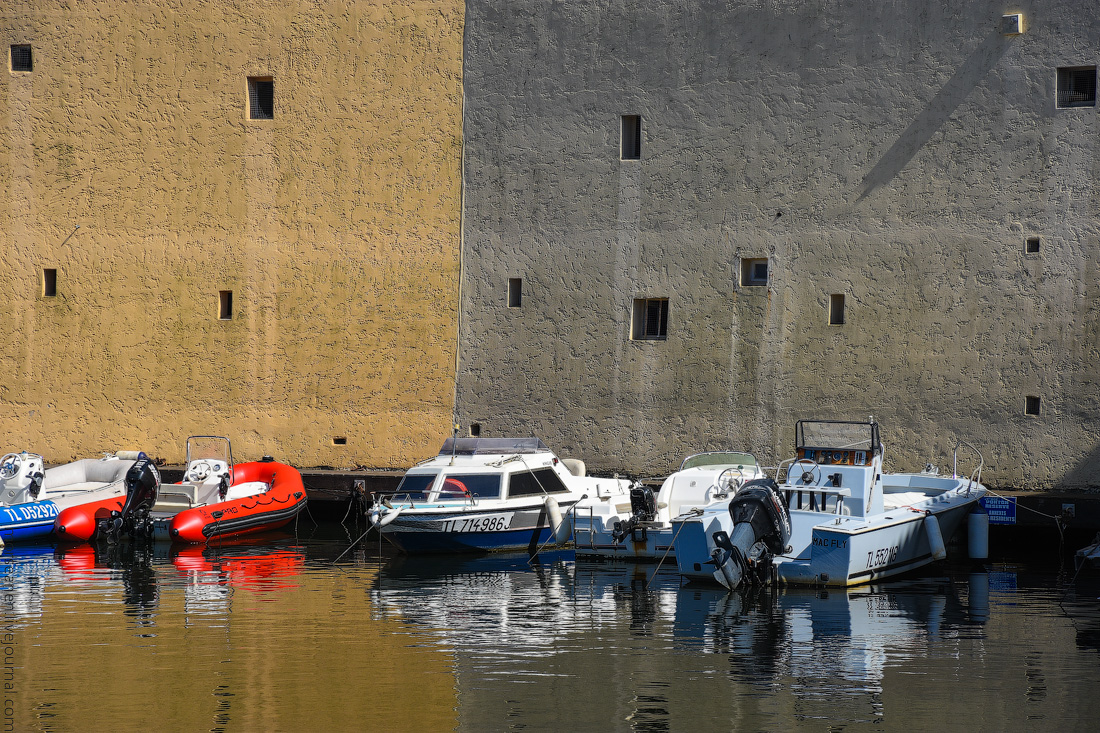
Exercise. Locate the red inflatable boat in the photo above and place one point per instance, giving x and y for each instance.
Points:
(268, 496)
(216, 499)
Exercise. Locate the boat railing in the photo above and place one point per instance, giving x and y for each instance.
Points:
(976, 474)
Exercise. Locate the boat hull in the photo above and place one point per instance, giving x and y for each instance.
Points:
(492, 530)
(842, 552)
(28, 522)
(645, 543)
(848, 558)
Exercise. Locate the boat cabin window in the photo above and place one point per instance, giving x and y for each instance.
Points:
(472, 485)
(415, 486)
(528, 483)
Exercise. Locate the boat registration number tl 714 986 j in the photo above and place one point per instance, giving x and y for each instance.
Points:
(483, 523)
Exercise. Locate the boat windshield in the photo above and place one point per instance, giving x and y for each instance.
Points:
(209, 447)
(414, 486)
(719, 458)
(837, 435)
(470, 485)
(491, 446)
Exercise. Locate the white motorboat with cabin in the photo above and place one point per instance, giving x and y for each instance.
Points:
(487, 494)
(642, 530)
(837, 519)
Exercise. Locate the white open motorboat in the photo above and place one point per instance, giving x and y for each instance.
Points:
(31, 496)
(642, 529)
(486, 494)
(837, 519)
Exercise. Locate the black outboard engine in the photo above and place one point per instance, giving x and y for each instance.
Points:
(761, 529)
(643, 507)
(142, 484)
(643, 503)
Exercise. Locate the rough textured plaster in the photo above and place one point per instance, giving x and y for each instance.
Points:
(895, 152)
(336, 226)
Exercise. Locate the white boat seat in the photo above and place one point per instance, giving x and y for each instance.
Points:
(247, 488)
(69, 488)
(899, 499)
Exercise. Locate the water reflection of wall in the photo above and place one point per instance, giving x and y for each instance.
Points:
(247, 640)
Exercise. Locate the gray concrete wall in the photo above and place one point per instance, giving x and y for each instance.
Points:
(896, 152)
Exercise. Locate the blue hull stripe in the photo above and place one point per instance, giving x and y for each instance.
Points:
(30, 521)
(521, 539)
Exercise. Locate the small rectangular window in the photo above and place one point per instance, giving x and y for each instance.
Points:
(650, 319)
(1031, 246)
(49, 282)
(754, 271)
(1031, 405)
(261, 98)
(515, 292)
(836, 310)
(631, 148)
(475, 430)
(225, 305)
(470, 486)
(21, 58)
(340, 440)
(1077, 86)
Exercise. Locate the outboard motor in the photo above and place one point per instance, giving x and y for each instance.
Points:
(643, 503)
(643, 507)
(761, 529)
(142, 484)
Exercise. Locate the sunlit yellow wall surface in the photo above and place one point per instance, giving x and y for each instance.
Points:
(130, 166)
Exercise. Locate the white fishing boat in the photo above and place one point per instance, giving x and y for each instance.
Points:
(642, 529)
(836, 519)
(31, 496)
(487, 494)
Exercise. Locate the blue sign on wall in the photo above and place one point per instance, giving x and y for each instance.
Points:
(1000, 510)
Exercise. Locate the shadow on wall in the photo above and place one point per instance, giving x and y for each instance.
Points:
(1086, 474)
(938, 111)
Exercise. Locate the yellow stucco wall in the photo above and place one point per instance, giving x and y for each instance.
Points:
(335, 225)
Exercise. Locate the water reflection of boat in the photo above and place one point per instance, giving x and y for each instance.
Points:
(504, 600)
(255, 567)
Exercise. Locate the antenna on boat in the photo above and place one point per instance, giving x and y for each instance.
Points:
(454, 442)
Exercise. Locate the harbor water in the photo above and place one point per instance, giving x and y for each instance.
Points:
(286, 635)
